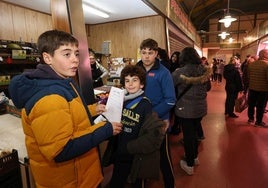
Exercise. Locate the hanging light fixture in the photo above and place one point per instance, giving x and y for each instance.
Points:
(227, 19)
(231, 39)
(223, 35)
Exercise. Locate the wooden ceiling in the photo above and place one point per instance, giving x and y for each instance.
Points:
(200, 11)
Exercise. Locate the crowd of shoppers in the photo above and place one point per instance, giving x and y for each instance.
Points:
(250, 77)
(62, 140)
(217, 70)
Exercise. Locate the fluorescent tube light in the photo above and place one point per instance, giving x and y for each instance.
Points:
(95, 11)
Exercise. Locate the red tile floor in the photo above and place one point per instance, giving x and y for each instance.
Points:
(234, 154)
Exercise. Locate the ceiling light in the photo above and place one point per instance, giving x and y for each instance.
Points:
(227, 19)
(95, 11)
(231, 40)
(223, 35)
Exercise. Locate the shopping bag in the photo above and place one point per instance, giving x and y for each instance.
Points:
(241, 103)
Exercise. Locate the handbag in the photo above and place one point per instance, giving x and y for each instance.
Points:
(241, 103)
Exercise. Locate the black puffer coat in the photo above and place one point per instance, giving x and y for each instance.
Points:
(233, 79)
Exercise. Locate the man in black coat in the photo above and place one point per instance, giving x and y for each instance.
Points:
(232, 87)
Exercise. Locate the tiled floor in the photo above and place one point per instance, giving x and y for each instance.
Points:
(233, 155)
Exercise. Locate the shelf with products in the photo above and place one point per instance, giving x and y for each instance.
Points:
(15, 58)
(8, 70)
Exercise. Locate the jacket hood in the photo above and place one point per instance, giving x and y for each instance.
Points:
(25, 86)
(205, 74)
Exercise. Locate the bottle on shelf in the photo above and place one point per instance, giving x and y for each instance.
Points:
(9, 60)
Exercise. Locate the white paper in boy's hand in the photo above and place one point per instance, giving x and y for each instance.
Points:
(100, 118)
(114, 105)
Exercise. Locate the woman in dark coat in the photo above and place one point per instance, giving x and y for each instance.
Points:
(192, 106)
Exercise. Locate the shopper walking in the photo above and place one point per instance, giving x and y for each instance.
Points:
(258, 88)
(233, 86)
(192, 82)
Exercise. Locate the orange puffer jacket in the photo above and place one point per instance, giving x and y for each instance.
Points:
(54, 118)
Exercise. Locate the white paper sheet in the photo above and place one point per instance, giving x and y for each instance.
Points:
(97, 92)
(114, 105)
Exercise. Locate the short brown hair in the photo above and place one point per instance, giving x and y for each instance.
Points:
(149, 43)
(51, 40)
(133, 70)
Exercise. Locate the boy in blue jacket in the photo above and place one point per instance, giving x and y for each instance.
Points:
(160, 90)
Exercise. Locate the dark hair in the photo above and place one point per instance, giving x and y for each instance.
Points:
(177, 53)
(203, 58)
(51, 40)
(149, 43)
(133, 70)
(190, 56)
(163, 55)
(91, 53)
